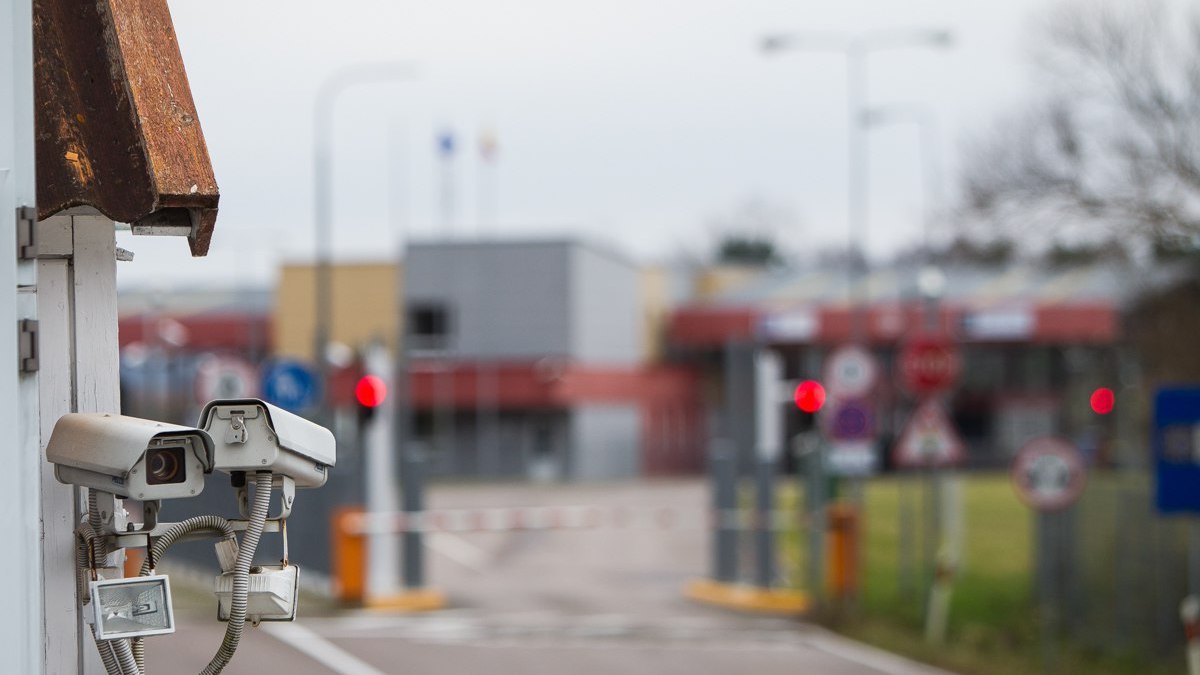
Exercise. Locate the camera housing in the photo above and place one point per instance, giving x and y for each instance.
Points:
(253, 435)
(130, 457)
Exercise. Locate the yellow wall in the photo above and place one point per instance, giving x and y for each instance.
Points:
(712, 281)
(656, 300)
(365, 306)
(656, 303)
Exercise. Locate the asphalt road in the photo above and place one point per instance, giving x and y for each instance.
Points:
(555, 602)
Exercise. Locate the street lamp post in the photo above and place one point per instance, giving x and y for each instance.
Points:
(856, 49)
(323, 107)
(927, 148)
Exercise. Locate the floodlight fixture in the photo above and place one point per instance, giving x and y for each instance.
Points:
(133, 607)
(272, 594)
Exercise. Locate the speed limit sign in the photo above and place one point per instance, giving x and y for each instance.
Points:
(1049, 473)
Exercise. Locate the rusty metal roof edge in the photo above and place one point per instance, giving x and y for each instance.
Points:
(118, 130)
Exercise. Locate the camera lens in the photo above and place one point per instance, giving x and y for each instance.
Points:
(165, 466)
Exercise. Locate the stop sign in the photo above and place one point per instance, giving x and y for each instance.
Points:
(929, 364)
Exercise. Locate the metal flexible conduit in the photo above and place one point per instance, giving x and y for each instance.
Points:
(215, 524)
(86, 538)
(98, 559)
(241, 570)
(124, 655)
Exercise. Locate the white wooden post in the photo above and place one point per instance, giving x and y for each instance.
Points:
(23, 623)
(77, 310)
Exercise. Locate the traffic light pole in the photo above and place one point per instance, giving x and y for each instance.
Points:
(378, 440)
(412, 487)
(811, 448)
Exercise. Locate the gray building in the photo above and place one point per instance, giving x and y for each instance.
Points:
(527, 359)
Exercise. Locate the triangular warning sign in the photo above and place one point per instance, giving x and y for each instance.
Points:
(929, 439)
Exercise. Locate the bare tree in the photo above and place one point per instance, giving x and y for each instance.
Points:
(1112, 147)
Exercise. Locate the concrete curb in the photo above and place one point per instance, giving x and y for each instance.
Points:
(875, 658)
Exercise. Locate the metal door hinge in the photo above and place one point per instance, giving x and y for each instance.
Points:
(27, 340)
(26, 233)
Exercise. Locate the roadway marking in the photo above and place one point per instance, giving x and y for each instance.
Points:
(319, 649)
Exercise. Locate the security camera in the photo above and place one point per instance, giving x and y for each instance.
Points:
(129, 456)
(252, 435)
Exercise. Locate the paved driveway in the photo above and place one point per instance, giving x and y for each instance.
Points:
(556, 602)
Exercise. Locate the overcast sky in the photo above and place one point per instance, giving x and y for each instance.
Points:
(634, 122)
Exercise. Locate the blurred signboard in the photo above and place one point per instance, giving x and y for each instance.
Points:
(1049, 473)
(1003, 323)
(790, 326)
(852, 458)
(1176, 446)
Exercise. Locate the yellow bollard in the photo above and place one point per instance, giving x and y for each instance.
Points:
(843, 550)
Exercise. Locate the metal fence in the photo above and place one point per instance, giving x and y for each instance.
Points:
(1129, 568)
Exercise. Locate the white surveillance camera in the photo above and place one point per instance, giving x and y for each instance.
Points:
(252, 435)
(129, 456)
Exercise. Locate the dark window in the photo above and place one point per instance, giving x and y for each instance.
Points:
(429, 325)
(429, 320)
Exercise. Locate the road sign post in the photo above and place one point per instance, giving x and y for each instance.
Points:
(809, 448)
(930, 442)
(929, 364)
(848, 420)
(851, 373)
(1048, 475)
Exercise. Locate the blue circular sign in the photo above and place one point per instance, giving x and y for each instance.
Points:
(291, 385)
(852, 420)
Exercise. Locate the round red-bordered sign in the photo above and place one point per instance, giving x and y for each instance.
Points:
(850, 371)
(225, 376)
(1049, 474)
(929, 364)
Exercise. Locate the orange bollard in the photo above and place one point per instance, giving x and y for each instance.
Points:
(349, 557)
(843, 542)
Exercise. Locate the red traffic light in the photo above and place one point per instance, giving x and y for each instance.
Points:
(809, 396)
(1103, 401)
(370, 391)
